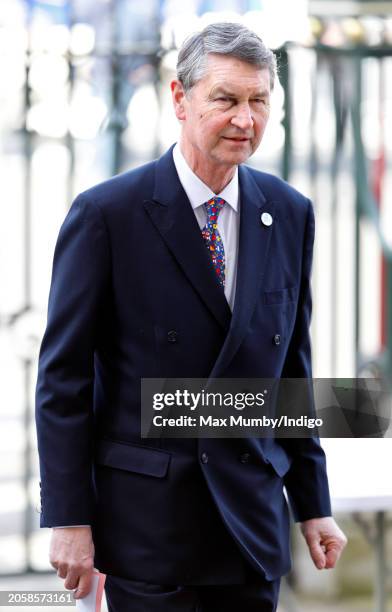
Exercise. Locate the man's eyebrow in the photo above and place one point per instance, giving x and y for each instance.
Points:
(227, 92)
(222, 89)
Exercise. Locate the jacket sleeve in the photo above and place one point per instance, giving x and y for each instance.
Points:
(64, 392)
(306, 481)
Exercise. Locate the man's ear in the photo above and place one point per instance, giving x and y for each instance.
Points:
(178, 97)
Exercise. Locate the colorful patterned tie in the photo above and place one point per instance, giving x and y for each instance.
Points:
(212, 237)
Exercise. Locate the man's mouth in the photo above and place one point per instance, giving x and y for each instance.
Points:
(236, 138)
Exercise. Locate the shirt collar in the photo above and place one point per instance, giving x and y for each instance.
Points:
(197, 191)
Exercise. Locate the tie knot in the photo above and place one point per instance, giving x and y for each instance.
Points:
(213, 207)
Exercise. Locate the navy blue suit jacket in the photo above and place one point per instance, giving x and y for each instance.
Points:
(130, 267)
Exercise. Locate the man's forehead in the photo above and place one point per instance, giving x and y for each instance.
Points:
(227, 71)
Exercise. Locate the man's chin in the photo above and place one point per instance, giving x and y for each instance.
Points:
(237, 158)
(236, 154)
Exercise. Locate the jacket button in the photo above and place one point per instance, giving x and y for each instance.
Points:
(204, 458)
(277, 339)
(245, 458)
(172, 336)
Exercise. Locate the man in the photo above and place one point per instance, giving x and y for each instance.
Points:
(190, 266)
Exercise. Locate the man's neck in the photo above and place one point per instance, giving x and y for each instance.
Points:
(215, 176)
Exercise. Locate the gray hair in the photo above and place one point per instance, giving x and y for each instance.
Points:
(231, 39)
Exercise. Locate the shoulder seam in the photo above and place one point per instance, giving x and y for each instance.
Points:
(94, 205)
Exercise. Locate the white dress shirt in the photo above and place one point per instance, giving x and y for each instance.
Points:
(228, 220)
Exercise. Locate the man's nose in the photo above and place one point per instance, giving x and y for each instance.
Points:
(243, 117)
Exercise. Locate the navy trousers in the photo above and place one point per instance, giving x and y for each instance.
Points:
(255, 595)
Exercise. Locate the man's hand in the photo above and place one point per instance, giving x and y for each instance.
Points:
(72, 555)
(325, 541)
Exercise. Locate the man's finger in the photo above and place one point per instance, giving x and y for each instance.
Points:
(72, 580)
(62, 571)
(84, 586)
(317, 554)
(332, 557)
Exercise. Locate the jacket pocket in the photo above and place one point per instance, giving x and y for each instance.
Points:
(133, 458)
(279, 460)
(289, 294)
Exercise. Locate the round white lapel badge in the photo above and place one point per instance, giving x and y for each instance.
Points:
(266, 219)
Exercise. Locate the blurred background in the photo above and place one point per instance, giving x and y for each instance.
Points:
(84, 94)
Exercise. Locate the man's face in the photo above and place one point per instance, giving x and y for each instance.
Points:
(225, 114)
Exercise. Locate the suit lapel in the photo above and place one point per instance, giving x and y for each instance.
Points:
(172, 214)
(254, 242)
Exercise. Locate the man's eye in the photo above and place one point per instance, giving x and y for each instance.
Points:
(223, 99)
